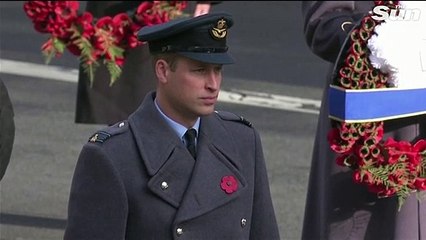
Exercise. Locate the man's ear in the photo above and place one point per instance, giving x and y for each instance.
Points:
(162, 70)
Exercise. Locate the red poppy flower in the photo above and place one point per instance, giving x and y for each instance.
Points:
(420, 183)
(229, 184)
(105, 39)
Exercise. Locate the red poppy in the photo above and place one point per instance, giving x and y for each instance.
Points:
(105, 39)
(229, 184)
(420, 183)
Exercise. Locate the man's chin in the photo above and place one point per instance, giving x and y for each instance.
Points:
(206, 111)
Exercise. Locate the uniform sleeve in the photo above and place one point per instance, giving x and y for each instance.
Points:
(326, 25)
(97, 207)
(7, 129)
(264, 223)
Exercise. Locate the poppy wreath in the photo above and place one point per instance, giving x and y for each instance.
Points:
(386, 166)
(96, 40)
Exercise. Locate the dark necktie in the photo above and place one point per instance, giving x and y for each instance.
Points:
(190, 136)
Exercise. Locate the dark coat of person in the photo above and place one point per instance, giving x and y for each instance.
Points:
(136, 180)
(336, 207)
(105, 104)
(7, 129)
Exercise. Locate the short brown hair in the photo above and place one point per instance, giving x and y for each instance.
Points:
(170, 58)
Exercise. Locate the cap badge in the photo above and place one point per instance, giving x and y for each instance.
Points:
(219, 32)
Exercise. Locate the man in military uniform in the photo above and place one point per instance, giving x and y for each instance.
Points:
(176, 168)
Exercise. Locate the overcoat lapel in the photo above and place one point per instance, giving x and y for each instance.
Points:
(216, 158)
(163, 153)
(194, 190)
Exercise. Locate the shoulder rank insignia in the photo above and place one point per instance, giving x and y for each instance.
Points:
(100, 136)
(233, 117)
(245, 121)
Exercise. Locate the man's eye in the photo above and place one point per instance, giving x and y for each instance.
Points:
(218, 69)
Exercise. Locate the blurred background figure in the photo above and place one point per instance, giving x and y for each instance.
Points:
(7, 128)
(105, 104)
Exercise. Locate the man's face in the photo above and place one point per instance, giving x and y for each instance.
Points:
(191, 89)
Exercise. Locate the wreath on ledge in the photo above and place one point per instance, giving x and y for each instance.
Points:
(93, 40)
(386, 166)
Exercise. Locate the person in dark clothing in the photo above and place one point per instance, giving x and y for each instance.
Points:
(336, 207)
(7, 129)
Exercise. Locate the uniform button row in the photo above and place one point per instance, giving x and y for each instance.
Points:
(164, 185)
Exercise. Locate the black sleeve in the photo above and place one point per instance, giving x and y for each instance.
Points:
(7, 129)
(326, 25)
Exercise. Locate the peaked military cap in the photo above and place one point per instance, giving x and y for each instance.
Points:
(201, 38)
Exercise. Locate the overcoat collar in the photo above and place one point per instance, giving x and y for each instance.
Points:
(194, 186)
(156, 140)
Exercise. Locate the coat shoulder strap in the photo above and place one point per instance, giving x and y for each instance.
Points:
(102, 135)
(229, 116)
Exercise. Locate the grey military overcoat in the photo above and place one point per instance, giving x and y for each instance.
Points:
(336, 208)
(136, 180)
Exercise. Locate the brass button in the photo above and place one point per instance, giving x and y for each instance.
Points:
(243, 222)
(179, 231)
(164, 185)
(121, 124)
